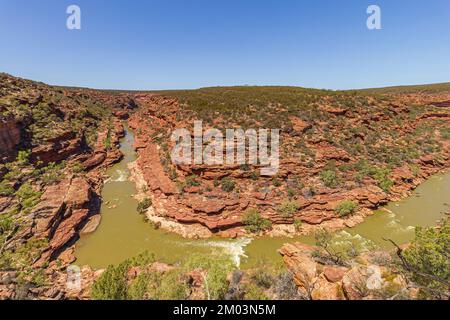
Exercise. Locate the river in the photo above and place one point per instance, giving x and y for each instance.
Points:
(123, 233)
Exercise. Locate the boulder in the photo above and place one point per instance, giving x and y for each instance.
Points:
(334, 273)
(299, 125)
(92, 224)
(298, 259)
(324, 290)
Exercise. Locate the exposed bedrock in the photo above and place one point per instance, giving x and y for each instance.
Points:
(10, 135)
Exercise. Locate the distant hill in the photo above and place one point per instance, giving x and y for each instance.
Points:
(424, 88)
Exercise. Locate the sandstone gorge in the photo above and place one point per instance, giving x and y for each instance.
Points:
(207, 204)
(70, 136)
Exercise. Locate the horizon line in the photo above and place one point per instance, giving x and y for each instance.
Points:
(231, 86)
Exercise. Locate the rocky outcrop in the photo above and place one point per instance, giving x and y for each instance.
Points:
(92, 224)
(63, 210)
(362, 279)
(299, 125)
(441, 104)
(106, 151)
(153, 171)
(71, 285)
(57, 149)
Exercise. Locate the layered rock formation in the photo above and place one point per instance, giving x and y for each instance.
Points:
(194, 194)
(335, 148)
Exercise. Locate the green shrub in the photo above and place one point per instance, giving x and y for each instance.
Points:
(445, 133)
(244, 167)
(428, 259)
(346, 208)
(276, 182)
(297, 224)
(291, 193)
(330, 178)
(254, 222)
(287, 209)
(215, 271)
(7, 223)
(144, 205)
(262, 278)
(77, 167)
(142, 260)
(6, 190)
(23, 157)
(170, 286)
(53, 173)
(254, 175)
(415, 169)
(253, 292)
(228, 184)
(359, 176)
(381, 175)
(383, 180)
(191, 181)
(338, 247)
(112, 284)
(28, 198)
(139, 287)
(107, 140)
(22, 259)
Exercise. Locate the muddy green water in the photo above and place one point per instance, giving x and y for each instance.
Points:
(123, 232)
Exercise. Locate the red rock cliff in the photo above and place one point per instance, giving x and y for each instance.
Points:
(9, 138)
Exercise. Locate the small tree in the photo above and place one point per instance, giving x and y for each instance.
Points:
(426, 260)
(112, 284)
(214, 271)
(336, 252)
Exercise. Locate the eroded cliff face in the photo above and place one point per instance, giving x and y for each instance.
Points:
(55, 146)
(9, 138)
(338, 149)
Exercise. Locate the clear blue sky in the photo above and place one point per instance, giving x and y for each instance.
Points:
(162, 44)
